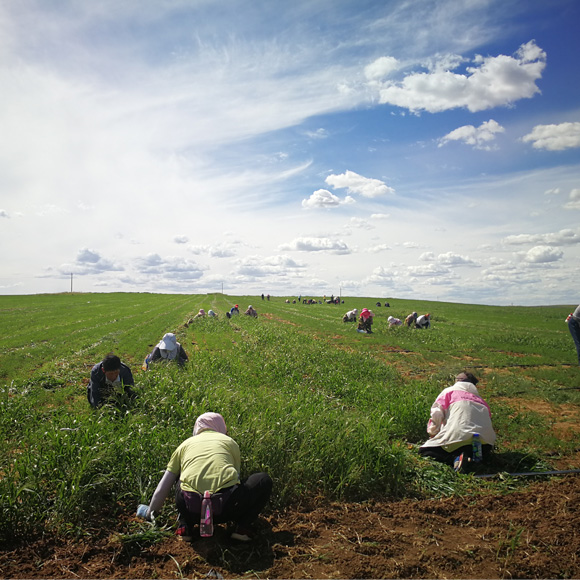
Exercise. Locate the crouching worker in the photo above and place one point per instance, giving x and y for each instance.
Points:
(110, 381)
(350, 316)
(365, 321)
(210, 461)
(167, 349)
(458, 413)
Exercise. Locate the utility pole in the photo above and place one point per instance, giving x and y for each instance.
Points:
(71, 282)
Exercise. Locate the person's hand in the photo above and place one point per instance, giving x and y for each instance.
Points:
(142, 510)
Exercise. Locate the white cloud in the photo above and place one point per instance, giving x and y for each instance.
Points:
(543, 255)
(218, 251)
(4, 213)
(172, 267)
(318, 134)
(430, 270)
(379, 248)
(317, 245)
(553, 191)
(563, 237)
(321, 198)
(491, 82)
(574, 198)
(380, 216)
(478, 137)
(181, 239)
(451, 259)
(357, 184)
(360, 223)
(427, 257)
(259, 266)
(554, 137)
(381, 68)
(89, 262)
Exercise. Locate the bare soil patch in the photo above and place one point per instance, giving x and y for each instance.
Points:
(530, 533)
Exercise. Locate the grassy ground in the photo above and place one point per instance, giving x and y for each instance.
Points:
(322, 408)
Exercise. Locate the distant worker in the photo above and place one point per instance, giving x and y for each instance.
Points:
(350, 316)
(424, 321)
(109, 379)
(458, 413)
(211, 314)
(411, 319)
(234, 310)
(200, 314)
(573, 321)
(394, 321)
(210, 461)
(365, 321)
(251, 311)
(167, 349)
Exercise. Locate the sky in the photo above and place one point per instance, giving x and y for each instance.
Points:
(425, 149)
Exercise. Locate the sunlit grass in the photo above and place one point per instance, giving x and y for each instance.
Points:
(320, 407)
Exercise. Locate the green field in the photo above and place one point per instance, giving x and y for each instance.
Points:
(323, 409)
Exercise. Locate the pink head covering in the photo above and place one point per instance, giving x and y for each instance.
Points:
(365, 313)
(211, 422)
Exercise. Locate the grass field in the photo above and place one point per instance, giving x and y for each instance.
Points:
(323, 409)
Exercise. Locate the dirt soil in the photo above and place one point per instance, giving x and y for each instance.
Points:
(523, 534)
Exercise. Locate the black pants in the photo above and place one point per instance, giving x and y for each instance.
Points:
(439, 454)
(241, 503)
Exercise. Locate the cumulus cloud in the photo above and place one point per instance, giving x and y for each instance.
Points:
(563, 237)
(359, 185)
(322, 198)
(380, 216)
(574, 198)
(553, 191)
(317, 245)
(381, 276)
(427, 257)
(359, 223)
(451, 259)
(429, 270)
(379, 248)
(491, 82)
(381, 68)
(172, 267)
(259, 266)
(554, 137)
(479, 137)
(89, 262)
(4, 213)
(181, 239)
(219, 251)
(543, 255)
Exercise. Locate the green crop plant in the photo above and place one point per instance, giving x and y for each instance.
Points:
(323, 409)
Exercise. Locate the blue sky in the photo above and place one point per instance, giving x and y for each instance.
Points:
(404, 148)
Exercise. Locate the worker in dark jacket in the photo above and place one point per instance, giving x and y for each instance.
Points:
(110, 377)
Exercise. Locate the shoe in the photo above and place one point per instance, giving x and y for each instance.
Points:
(458, 463)
(242, 534)
(183, 534)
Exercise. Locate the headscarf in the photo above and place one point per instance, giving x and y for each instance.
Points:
(365, 313)
(202, 311)
(210, 422)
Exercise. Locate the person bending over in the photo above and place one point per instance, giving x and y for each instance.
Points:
(109, 379)
(457, 413)
(210, 461)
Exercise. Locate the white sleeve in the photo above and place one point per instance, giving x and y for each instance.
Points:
(162, 491)
(436, 420)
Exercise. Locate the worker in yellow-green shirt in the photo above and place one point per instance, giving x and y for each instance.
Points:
(210, 461)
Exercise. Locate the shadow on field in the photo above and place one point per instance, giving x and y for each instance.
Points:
(239, 558)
